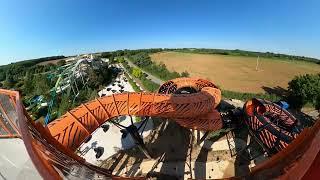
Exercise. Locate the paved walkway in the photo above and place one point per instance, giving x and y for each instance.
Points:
(15, 162)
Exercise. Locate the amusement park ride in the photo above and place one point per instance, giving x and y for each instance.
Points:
(293, 153)
(70, 79)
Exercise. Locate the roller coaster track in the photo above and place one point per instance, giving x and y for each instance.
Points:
(52, 148)
(72, 79)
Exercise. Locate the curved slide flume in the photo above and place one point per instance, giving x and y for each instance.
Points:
(53, 160)
(273, 126)
(193, 111)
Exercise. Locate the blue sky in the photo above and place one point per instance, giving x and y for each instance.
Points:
(37, 28)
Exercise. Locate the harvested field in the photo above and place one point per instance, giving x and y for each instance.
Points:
(50, 62)
(237, 73)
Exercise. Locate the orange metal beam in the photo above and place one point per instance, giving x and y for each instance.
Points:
(114, 101)
(103, 108)
(76, 120)
(92, 115)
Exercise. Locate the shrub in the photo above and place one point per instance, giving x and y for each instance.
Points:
(185, 74)
(304, 89)
(149, 85)
(317, 104)
(143, 61)
(246, 96)
(136, 72)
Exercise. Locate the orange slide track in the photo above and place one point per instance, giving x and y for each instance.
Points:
(55, 160)
(193, 111)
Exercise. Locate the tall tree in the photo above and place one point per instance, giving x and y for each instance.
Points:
(64, 105)
(9, 82)
(42, 86)
(29, 84)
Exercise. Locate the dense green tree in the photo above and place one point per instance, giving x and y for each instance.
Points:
(119, 53)
(95, 79)
(29, 84)
(136, 72)
(9, 82)
(92, 95)
(64, 105)
(42, 85)
(2, 75)
(143, 61)
(106, 54)
(111, 59)
(120, 59)
(185, 74)
(86, 94)
(317, 104)
(304, 89)
(99, 77)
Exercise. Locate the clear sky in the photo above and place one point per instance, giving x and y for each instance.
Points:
(37, 28)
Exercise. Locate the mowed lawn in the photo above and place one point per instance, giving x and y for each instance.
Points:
(237, 73)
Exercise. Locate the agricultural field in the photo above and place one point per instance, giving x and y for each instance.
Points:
(237, 73)
(50, 62)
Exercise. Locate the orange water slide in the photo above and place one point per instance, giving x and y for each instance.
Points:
(300, 160)
(194, 111)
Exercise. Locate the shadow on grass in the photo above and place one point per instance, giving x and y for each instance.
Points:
(278, 91)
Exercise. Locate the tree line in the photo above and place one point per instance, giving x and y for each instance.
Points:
(238, 52)
(31, 79)
(235, 52)
(12, 73)
(143, 61)
(137, 73)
